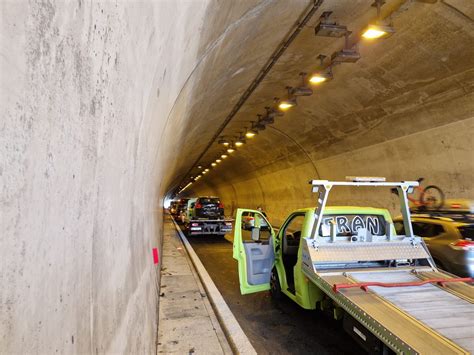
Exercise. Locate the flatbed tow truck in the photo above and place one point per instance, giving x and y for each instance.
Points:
(385, 287)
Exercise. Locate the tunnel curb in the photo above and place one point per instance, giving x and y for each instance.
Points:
(236, 337)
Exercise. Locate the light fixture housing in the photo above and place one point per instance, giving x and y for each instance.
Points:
(326, 29)
(349, 54)
(321, 77)
(224, 142)
(377, 31)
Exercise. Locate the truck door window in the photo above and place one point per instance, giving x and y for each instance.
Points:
(292, 233)
(254, 222)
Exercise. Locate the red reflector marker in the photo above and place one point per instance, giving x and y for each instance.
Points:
(156, 259)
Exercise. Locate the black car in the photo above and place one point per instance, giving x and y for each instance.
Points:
(209, 208)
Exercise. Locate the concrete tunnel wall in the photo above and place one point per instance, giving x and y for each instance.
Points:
(94, 96)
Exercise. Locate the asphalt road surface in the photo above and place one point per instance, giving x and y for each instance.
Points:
(272, 329)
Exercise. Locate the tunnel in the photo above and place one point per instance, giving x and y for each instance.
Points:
(111, 109)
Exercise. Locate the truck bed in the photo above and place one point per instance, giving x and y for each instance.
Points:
(426, 319)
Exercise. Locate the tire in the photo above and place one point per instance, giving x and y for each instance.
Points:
(432, 197)
(275, 288)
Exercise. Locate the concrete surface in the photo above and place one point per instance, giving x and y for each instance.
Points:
(283, 328)
(239, 342)
(187, 323)
(106, 105)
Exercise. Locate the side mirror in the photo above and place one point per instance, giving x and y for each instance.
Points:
(255, 234)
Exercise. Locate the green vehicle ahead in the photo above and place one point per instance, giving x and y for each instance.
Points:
(350, 261)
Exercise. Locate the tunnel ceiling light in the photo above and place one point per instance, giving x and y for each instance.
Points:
(214, 164)
(199, 166)
(218, 161)
(230, 150)
(287, 104)
(224, 156)
(206, 170)
(240, 141)
(224, 142)
(318, 78)
(378, 31)
(250, 133)
(329, 29)
(322, 75)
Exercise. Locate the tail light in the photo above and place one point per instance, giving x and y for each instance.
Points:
(197, 205)
(465, 244)
(221, 205)
(194, 224)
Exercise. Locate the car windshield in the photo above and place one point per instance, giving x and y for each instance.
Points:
(207, 200)
(348, 224)
(467, 232)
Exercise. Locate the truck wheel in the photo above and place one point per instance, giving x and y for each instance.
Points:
(275, 288)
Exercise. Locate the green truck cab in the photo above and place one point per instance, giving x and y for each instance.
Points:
(349, 261)
(269, 260)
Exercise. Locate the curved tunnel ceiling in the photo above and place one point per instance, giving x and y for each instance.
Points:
(417, 80)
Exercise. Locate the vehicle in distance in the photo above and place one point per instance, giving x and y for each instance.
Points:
(174, 208)
(181, 207)
(205, 216)
(349, 261)
(449, 235)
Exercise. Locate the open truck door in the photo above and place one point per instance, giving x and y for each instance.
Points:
(253, 250)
